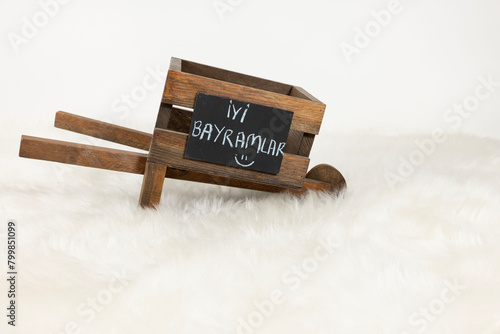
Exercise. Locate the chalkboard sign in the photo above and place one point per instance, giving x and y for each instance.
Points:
(238, 134)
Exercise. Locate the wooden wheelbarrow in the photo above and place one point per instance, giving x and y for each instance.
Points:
(179, 131)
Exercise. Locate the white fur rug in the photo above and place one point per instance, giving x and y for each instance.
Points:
(422, 255)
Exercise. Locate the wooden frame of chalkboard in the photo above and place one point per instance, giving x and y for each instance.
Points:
(167, 145)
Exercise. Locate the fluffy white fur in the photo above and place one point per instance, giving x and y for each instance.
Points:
(209, 255)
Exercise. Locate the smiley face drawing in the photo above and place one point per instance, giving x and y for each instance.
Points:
(243, 160)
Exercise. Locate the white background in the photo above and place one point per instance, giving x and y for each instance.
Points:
(92, 52)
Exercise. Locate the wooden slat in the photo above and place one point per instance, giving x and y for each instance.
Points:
(315, 185)
(306, 145)
(103, 130)
(234, 77)
(164, 114)
(168, 149)
(174, 119)
(293, 142)
(309, 184)
(82, 155)
(181, 89)
(180, 120)
(131, 162)
(152, 185)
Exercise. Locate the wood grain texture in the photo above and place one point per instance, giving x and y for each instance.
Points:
(181, 89)
(309, 184)
(130, 162)
(82, 155)
(306, 145)
(328, 174)
(152, 185)
(293, 142)
(103, 130)
(164, 114)
(172, 118)
(313, 185)
(180, 120)
(234, 77)
(168, 149)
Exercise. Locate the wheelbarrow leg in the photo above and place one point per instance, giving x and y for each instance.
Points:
(152, 185)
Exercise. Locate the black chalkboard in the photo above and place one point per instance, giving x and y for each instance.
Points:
(238, 134)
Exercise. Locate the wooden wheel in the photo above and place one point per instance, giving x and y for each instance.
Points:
(328, 174)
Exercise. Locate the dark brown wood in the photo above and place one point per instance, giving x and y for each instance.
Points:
(314, 185)
(309, 184)
(306, 145)
(181, 89)
(307, 139)
(293, 142)
(180, 120)
(82, 155)
(103, 130)
(168, 149)
(234, 77)
(172, 118)
(328, 174)
(164, 114)
(218, 180)
(152, 185)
